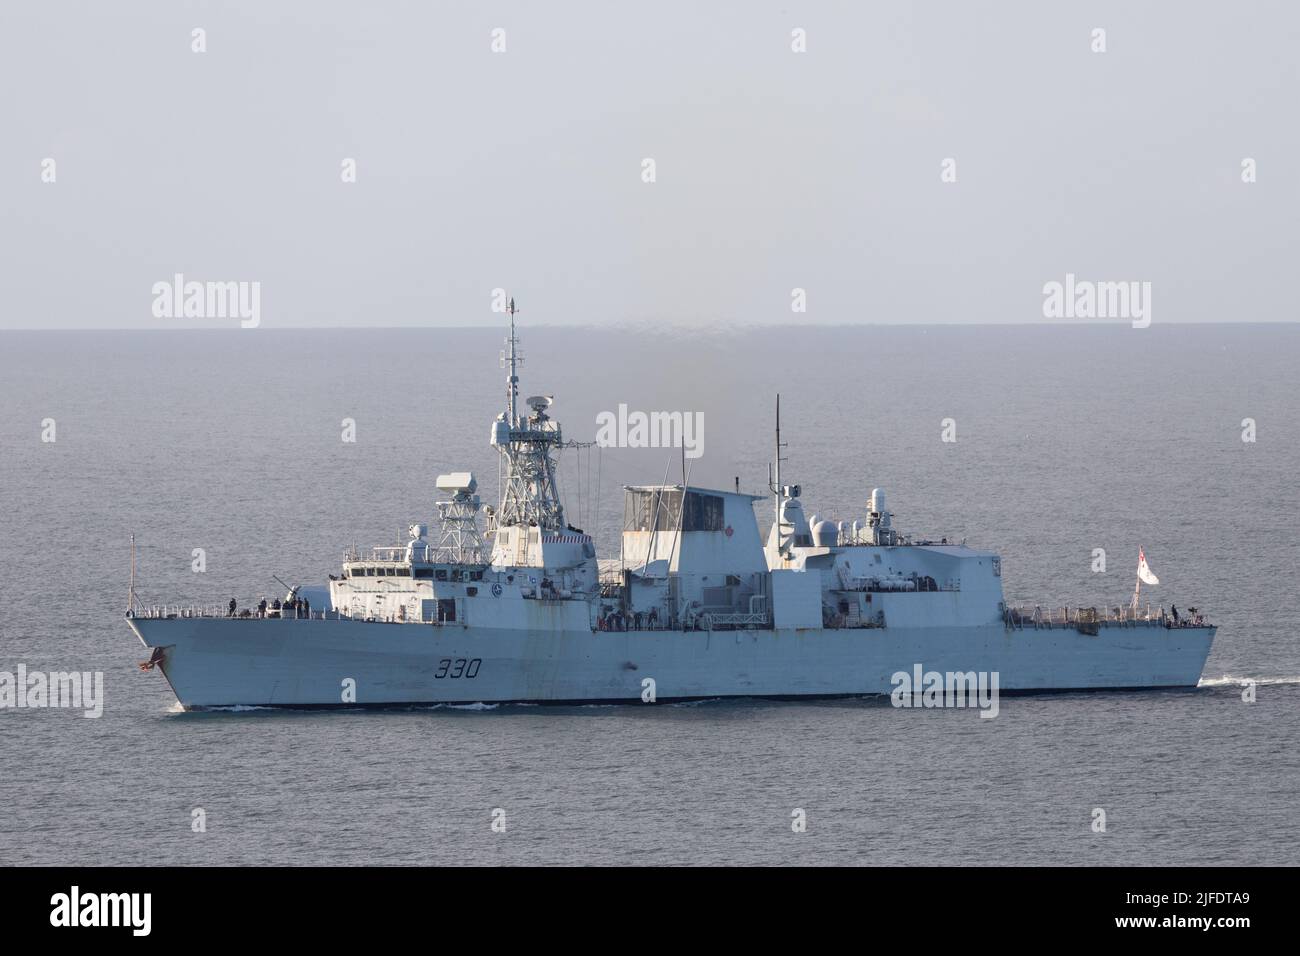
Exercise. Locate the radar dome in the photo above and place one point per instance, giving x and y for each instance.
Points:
(825, 534)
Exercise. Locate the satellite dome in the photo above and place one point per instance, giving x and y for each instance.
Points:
(825, 534)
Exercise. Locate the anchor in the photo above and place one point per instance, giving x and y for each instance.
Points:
(155, 659)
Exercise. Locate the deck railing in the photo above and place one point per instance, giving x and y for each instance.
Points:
(1038, 616)
(385, 554)
(168, 611)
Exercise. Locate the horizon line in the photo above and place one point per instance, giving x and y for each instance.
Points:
(720, 326)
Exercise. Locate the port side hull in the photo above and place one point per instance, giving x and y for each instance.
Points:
(214, 662)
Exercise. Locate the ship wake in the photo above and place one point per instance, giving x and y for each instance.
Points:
(1228, 680)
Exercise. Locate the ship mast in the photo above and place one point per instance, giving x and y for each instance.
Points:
(777, 489)
(774, 476)
(530, 496)
(512, 381)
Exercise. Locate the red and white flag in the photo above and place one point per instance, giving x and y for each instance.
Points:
(1144, 571)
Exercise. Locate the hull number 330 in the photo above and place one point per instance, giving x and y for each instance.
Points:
(460, 667)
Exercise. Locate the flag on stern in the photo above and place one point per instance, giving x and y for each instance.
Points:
(1144, 571)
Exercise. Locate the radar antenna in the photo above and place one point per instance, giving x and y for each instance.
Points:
(528, 445)
(461, 542)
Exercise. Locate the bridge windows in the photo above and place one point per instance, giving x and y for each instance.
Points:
(661, 510)
(371, 571)
(703, 513)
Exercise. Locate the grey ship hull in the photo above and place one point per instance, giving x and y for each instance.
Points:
(215, 662)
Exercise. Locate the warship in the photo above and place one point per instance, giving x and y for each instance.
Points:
(509, 603)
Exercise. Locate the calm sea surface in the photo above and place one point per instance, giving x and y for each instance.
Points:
(1068, 440)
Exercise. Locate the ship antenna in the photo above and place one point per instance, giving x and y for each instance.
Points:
(774, 476)
(512, 382)
(778, 469)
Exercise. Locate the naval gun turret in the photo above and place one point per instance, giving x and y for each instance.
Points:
(878, 520)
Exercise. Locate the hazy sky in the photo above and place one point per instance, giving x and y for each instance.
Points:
(775, 170)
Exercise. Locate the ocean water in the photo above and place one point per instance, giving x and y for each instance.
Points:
(1068, 439)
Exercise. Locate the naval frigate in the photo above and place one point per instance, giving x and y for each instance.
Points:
(510, 603)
